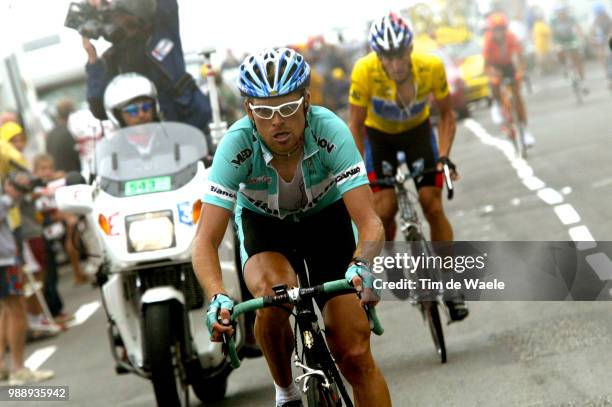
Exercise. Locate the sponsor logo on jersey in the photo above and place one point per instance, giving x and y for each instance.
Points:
(350, 173)
(242, 157)
(221, 192)
(389, 110)
(264, 179)
(324, 144)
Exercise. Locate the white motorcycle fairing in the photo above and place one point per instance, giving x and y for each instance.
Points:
(145, 234)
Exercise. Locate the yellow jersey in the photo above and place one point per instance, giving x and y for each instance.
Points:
(542, 37)
(372, 88)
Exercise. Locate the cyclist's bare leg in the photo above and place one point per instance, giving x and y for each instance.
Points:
(496, 91)
(431, 202)
(348, 335)
(272, 328)
(520, 103)
(562, 58)
(577, 61)
(385, 205)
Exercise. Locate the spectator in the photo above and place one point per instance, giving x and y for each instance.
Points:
(17, 138)
(600, 31)
(44, 169)
(14, 142)
(13, 322)
(60, 143)
(151, 47)
(6, 117)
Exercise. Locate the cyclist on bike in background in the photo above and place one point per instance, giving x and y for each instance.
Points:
(389, 103)
(503, 57)
(600, 32)
(287, 169)
(566, 37)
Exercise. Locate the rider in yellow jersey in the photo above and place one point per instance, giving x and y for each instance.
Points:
(389, 102)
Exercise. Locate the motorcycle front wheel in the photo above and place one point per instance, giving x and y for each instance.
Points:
(163, 354)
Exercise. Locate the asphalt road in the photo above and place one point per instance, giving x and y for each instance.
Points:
(528, 354)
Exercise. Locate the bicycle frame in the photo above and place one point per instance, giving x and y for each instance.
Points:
(410, 224)
(511, 117)
(569, 59)
(409, 219)
(316, 360)
(426, 300)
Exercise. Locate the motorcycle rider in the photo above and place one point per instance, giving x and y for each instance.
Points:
(131, 99)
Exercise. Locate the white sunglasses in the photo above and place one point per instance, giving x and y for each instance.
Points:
(285, 110)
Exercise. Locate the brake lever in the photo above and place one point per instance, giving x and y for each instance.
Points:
(449, 182)
(226, 338)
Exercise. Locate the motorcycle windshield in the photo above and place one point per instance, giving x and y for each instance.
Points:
(149, 158)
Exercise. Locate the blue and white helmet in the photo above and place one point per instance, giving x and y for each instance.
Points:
(390, 34)
(273, 72)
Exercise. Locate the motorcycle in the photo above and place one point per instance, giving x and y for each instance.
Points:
(141, 203)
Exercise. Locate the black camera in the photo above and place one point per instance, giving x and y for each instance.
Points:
(33, 182)
(92, 22)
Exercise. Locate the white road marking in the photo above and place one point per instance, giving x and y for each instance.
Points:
(533, 183)
(602, 265)
(599, 262)
(39, 357)
(602, 183)
(583, 238)
(525, 172)
(83, 313)
(550, 196)
(488, 208)
(567, 214)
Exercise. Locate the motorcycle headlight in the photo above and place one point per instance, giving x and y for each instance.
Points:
(150, 231)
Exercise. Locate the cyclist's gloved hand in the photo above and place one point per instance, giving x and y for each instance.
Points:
(444, 160)
(218, 317)
(359, 275)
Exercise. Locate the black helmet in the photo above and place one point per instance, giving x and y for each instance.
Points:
(143, 9)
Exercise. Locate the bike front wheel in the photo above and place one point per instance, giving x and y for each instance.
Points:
(431, 313)
(577, 88)
(519, 142)
(318, 394)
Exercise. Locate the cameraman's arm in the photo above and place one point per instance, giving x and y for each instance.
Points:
(98, 76)
(167, 10)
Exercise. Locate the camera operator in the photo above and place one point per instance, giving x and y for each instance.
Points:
(149, 43)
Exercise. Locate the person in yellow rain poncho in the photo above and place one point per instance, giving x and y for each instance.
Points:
(10, 160)
(542, 40)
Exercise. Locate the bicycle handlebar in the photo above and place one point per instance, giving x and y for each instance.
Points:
(391, 181)
(309, 292)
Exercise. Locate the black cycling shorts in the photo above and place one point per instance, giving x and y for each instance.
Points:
(325, 241)
(419, 142)
(508, 71)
